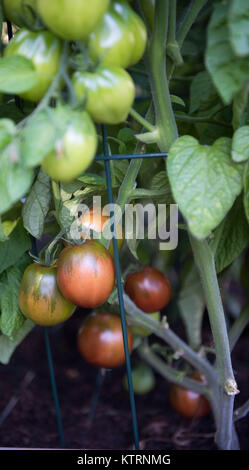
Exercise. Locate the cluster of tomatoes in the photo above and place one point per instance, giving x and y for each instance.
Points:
(102, 38)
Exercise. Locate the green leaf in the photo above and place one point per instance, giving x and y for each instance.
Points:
(92, 179)
(177, 100)
(8, 346)
(13, 248)
(233, 236)
(202, 92)
(229, 72)
(238, 22)
(11, 318)
(2, 232)
(240, 144)
(15, 180)
(191, 304)
(37, 204)
(126, 135)
(7, 130)
(205, 182)
(17, 74)
(246, 190)
(240, 104)
(38, 139)
(160, 182)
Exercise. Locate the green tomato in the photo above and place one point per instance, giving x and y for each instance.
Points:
(110, 92)
(75, 149)
(16, 10)
(72, 19)
(43, 49)
(143, 332)
(143, 379)
(120, 38)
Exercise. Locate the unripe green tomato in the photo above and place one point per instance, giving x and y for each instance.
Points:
(15, 11)
(43, 49)
(120, 37)
(76, 149)
(110, 92)
(143, 379)
(72, 19)
(143, 332)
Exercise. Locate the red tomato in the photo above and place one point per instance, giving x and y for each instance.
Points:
(86, 274)
(187, 402)
(149, 289)
(100, 340)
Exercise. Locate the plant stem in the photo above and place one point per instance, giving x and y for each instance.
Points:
(146, 124)
(204, 259)
(165, 121)
(139, 318)
(242, 411)
(238, 327)
(173, 48)
(201, 119)
(190, 16)
(169, 373)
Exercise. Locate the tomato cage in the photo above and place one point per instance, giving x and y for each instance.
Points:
(106, 158)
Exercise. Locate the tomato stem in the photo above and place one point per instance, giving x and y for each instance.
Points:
(204, 259)
(171, 374)
(146, 124)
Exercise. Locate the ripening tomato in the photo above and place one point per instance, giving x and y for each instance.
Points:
(17, 11)
(100, 340)
(75, 148)
(86, 274)
(144, 332)
(72, 19)
(39, 297)
(188, 403)
(95, 220)
(149, 289)
(120, 37)
(109, 90)
(43, 49)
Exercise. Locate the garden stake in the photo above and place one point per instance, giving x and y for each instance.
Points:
(120, 291)
(51, 371)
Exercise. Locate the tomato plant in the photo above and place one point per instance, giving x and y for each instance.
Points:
(142, 105)
(84, 16)
(149, 289)
(86, 274)
(40, 299)
(100, 340)
(120, 38)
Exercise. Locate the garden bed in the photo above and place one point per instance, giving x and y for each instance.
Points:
(32, 422)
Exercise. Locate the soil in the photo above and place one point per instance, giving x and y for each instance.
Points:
(32, 420)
